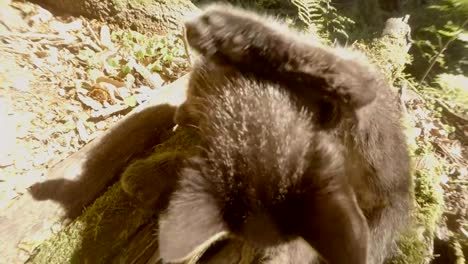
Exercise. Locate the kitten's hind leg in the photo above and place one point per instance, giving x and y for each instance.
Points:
(152, 180)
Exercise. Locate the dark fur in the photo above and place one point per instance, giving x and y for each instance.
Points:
(267, 174)
(260, 45)
(270, 173)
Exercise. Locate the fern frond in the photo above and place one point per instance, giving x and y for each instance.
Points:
(321, 17)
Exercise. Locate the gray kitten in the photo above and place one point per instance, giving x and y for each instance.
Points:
(299, 140)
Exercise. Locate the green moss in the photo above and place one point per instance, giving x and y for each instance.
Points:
(104, 227)
(391, 56)
(413, 249)
(150, 179)
(414, 245)
(100, 232)
(388, 54)
(184, 139)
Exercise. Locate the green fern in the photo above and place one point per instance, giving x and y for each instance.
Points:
(321, 17)
(307, 10)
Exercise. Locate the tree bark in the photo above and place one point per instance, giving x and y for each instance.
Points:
(145, 16)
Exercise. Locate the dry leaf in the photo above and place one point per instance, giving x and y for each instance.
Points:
(101, 94)
(106, 40)
(42, 16)
(114, 82)
(123, 92)
(6, 197)
(95, 105)
(80, 127)
(63, 28)
(52, 57)
(111, 90)
(130, 101)
(152, 79)
(101, 125)
(109, 111)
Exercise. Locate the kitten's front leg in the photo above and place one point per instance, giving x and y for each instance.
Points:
(267, 49)
(231, 35)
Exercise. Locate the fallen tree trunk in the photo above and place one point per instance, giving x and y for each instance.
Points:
(77, 181)
(157, 17)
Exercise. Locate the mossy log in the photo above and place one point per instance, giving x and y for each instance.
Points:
(145, 16)
(78, 180)
(117, 228)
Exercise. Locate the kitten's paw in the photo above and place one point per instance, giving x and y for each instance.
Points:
(150, 180)
(185, 117)
(221, 32)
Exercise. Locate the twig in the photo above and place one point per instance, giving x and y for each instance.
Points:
(93, 34)
(95, 105)
(145, 73)
(82, 133)
(434, 59)
(461, 119)
(90, 43)
(31, 35)
(440, 103)
(14, 51)
(415, 90)
(109, 111)
(445, 151)
(5, 25)
(186, 45)
(403, 96)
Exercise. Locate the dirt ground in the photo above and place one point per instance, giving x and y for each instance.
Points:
(51, 104)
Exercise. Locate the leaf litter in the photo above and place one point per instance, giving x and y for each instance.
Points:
(63, 81)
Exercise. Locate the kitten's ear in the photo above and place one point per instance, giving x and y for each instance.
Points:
(191, 224)
(336, 228)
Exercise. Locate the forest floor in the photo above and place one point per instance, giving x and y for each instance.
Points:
(60, 88)
(64, 80)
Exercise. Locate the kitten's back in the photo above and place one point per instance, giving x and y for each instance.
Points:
(266, 174)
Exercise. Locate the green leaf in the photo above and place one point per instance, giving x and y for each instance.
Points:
(155, 66)
(113, 63)
(150, 51)
(69, 125)
(126, 69)
(130, 101)
(168, 58)
(85, 54)
(164, 51)
(140, 54)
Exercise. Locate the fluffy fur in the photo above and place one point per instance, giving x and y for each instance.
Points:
(273, 168)
(268, 175)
